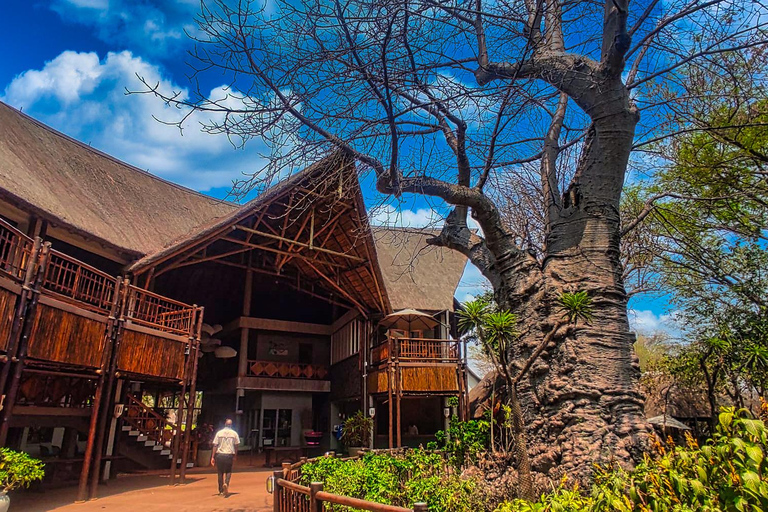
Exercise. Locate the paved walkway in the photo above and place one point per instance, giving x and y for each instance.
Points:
(151, 493)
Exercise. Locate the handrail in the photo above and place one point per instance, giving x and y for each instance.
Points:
(290, 496)
(144, 422)
(79, 283)
(15, 251)
(161, 313)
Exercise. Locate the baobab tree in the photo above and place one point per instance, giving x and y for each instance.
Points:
(448, 98)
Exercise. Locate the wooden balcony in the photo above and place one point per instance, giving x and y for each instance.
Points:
(415, 366)
(71, 312)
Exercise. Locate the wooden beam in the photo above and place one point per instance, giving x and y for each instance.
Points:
(188, 262)
(338, 289)
(300, 244)
(267, 324)
(279, 251)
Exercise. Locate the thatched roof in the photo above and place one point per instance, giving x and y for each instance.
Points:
(86, 191)
(416, 274)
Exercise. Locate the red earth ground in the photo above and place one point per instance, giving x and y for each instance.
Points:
(151, 493)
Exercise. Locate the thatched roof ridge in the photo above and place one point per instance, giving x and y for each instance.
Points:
(417, 275)
(73, 185)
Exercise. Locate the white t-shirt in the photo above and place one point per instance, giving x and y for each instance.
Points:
(226, 441)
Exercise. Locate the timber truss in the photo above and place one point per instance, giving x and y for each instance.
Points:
(311, 232)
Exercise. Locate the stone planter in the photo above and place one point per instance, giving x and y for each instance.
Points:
(203, 458)
(5, 502)
(354, 451)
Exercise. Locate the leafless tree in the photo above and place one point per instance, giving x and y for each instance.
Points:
(451, 99)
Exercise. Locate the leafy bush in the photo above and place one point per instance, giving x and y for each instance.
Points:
(357, 430)
(18, 469)
(416, 476)
(463, 441)
(730, 472)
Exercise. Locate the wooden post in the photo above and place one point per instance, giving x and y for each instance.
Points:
(398, 396)
(420, 507)
(179, 412)
(315, 505)
(10, 397)
(108, 374)
(18, 318)
(390, 383)
(277, 491)
(195, 349)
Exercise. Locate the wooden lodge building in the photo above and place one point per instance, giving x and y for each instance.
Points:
(121, 293)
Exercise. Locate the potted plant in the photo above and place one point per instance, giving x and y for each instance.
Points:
(203, 434)
(356, 433)
(17, 470)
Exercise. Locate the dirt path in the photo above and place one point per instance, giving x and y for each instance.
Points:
(151, 493)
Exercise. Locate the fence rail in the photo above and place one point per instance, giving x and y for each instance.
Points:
(290, 496)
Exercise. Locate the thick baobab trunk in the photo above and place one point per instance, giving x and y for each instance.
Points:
(581, 397)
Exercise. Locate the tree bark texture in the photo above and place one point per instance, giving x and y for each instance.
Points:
(581, 398)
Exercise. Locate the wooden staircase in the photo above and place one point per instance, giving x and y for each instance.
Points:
(147, 437)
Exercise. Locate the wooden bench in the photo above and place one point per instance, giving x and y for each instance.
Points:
(283, 454)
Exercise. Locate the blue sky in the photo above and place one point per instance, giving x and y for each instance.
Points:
(69, 63)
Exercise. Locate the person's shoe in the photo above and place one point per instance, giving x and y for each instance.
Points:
(225, 489)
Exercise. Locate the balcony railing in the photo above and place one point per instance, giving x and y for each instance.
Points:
(15, 251)
(287, 370)
(167, 315)
(416, 350)
(79, 283)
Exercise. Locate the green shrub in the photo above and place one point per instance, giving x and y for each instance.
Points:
(18, 469)
(416, 476)
(356, 430)
(463, 441)
(730, 472)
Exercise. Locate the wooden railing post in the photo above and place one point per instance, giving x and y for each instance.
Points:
(277, 490)
(315, 505)
(419, 507)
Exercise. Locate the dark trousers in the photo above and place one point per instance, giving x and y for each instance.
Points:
(224, 469)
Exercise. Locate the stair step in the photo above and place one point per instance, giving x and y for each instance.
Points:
(150, 443)
(157, 447)
(141, 438)
(134, 433)
(166, 452)
(127, 428)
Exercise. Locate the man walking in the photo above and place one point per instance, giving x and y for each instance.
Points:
(224, 453)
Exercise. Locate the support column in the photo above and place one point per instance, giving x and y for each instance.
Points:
(195, 349)
(25, 330)
(108, 370)
(18, 320)
(242, 367)
(112, 432)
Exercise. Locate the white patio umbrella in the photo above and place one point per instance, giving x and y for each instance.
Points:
(409, 320)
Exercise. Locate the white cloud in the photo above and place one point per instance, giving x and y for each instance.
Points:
(646, 321)
(84, 97)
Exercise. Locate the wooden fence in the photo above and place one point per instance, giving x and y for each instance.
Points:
(288, 495)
